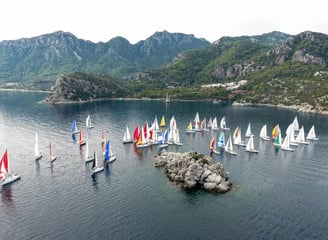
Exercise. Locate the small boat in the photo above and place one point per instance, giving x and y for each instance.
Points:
(300, 138)
(250, 145)
(237, 137)
(229, 148)
(249, 131)
(163, 139)
(311, 134)
(142, 141)
(286, 144)
(88, 158)
(96, 169)
(5, 176)
(189, 128)
(275, 131)
(37, 154)
(81, 141)
(52, 157)
(213, 149)
(215, 124)
(203, 126)
(162, 122)
(278, 139)
(290, 131)
(221, 142)
(167, 99)
(223, 124)
(88, 123)
(263, 133)
(296, 124)
(196, 123)
(127, 137)
(109, 156)
(74, 127)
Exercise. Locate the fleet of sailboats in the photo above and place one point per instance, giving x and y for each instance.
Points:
(157, 134)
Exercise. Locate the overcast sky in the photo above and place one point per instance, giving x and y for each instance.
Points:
(135, 20)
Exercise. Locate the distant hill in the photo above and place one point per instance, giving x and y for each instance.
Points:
(292, 73)
(37, 61)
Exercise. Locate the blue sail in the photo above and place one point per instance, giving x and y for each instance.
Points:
(166, 136)
(221, 142)
(160, 138)
(73, 126)
(107, 150)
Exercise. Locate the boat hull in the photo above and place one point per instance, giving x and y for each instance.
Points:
(10, 179)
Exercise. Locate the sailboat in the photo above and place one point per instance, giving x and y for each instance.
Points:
(249, 131)
(215, 124)
(250, 145)
(74, 128)
(127, 137)
(88, 158)
(296, 124)
(221, 142)
(38, 154)
(163, 139)
(223, 124)
(109, 156)
(81, 141)
(196, 123)
(311, 134)
(167, 99)
(237, 137)
(263, 133)
(88, 123)
(189, 128)
(286, 144)
(95, 167)
(203, 126)
(142, 141)
(229, 148)
(213, 149)
(5, 174)
(300, 138)
(275, 131)
(52, 157)
(290, 131)
(162, 122)
(278, 140)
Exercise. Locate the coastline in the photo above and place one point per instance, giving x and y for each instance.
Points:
(305, 108)
(23, 90)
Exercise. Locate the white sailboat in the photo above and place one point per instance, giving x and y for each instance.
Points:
(5, 176)
(96, 169)
(263, 133)
(37, 154)
(88, 123)
(167, 99)
(197, 123)
(286, 144)
(229, 148)
(311, 134)
(290, 131)
(296, 124)
(223, 124)
(300, 138)
(237, 137)
(127, 137)
(250, 145)
(87, 157)
(249, 131)
(215, 124)
(52, 157)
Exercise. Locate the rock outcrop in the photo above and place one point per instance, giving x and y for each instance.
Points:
(194, 170)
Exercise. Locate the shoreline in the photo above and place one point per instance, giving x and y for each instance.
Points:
(23, 90)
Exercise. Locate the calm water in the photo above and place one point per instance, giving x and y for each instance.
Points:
(276, 194)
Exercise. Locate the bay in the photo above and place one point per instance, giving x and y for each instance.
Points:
(275, 194)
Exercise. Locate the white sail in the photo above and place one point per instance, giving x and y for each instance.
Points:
(228, 147)
(263, 133)
(37, 153)
(311, 134)
(300, 138)
(237, 137)
(296, 124)
(250, 145)
(248, 131)
(215, 124)
(223, 124)
(290, 131)
(286, 144)
(88, 122)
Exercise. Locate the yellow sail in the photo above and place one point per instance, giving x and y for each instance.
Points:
(275, 131)
(162, 123)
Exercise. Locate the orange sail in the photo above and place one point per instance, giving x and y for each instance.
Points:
(212, 144)
(275, 131)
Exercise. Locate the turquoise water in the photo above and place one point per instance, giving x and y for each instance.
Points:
(276, 194)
